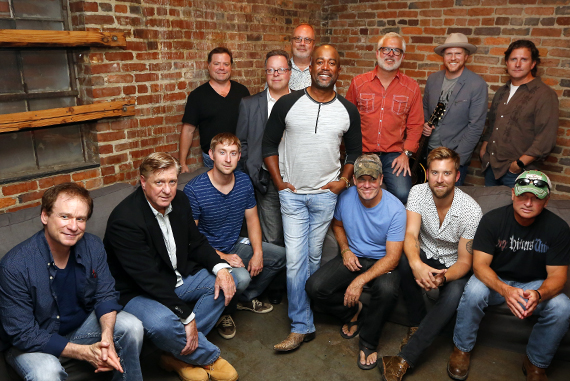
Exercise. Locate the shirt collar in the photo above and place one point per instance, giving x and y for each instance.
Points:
(270, 98)
(157, 213)
(530, 85)
(297, 67)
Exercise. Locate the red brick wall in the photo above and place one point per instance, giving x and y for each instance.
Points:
(165, 59)
(168, 42)
(354, 27)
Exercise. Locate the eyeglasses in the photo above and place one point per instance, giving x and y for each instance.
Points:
(307, 40)
(386, 50)
(281, 70)
(536, 183)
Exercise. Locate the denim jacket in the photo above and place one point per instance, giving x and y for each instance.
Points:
(29, 313)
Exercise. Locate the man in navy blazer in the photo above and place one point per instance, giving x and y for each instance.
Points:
(465, 96)
(253, 114)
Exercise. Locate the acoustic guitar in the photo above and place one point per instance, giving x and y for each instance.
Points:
(418, 167)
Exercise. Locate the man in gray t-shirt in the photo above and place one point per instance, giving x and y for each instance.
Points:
(313, 122)
(464, 95)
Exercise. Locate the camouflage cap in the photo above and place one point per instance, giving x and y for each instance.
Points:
(534, 182)
(368, 164)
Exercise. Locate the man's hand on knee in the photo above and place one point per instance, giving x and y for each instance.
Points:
(515, 300)
(225, 282)
(191, 338)
(103, 357)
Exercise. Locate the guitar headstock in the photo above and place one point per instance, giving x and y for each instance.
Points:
(437, 114)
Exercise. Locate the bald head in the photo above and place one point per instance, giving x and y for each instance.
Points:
(325, 67)
(302, 42)
(325, 50)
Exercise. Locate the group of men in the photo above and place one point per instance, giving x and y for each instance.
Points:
(174, 264)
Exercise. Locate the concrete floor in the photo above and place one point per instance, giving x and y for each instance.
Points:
(332, 358)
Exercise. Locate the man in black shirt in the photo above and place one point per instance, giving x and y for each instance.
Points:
(212, 107)
(520, 256)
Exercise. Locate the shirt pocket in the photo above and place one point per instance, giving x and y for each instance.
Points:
(366, 102)
(400, 104)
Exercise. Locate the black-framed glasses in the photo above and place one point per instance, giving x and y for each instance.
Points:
(307, 40)
(537, 183)
(386, 50)
(281, 70)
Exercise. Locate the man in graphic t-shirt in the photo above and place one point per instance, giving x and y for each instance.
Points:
(520, 256)
(212, 107)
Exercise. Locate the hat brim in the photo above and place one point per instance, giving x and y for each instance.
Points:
(472, 49)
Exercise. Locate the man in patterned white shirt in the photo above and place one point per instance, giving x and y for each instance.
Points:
(441, 224)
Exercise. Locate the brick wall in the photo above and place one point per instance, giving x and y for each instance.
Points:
(168, 41)
(165, 59)
(354, 27)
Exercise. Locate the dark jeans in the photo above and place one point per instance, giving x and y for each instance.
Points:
(507, 179)
(432, 323)
(327, 286)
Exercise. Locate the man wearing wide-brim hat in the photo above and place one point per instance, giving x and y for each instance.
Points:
(464, 95)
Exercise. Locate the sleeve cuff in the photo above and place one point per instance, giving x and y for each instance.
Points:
(106, 307)
(220, 266)
(188, 319)
(55, 345)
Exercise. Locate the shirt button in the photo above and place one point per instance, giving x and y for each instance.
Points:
(493, 141)
(501, 116)
(50, 277)
(57, 317)
(492, 153)
(497, 128)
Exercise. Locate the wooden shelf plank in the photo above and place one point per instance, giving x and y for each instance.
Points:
(54, 38)
(55, 116)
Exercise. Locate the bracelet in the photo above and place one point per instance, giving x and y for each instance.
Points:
(346, 181)
(344, 251)
(539, 296)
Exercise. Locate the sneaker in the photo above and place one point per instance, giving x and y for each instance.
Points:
(255, 305)
(226, 327)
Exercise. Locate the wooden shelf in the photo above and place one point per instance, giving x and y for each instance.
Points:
(55, 116)
(52, 38)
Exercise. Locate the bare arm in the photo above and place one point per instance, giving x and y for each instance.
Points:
(425, 275)
(102, 354)
(382, 266)
(463, 264)
(338, 186)
(254, 233)
(186, 137)
(272, 164)
(551, 287)
(348, 258)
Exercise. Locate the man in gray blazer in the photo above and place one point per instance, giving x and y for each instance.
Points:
(464, 95)
(253, 114)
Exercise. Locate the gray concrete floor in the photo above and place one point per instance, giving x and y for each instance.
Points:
(332, 358)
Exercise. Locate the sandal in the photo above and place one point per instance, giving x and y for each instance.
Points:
(349, 325)
(367, 352)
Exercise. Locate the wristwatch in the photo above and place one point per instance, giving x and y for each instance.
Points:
(408, 153)
(520, 164)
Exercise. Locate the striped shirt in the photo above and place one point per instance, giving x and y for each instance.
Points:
(219, 215)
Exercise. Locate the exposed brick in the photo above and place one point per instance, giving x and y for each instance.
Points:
(7, 201)
(10, 190)
(31, 196)
(80, 176)
(54, 180)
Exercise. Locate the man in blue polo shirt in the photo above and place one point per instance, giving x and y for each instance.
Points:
(369, 224)
(58, 300)
(220, 198)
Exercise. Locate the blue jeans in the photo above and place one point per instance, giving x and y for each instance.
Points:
(273, 262)
(166, 330)
(507, 179)
(127, 337)
(306, 218)
(553, 319)
(400, 185)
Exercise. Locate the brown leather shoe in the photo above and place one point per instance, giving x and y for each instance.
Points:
(186, 372)
(293, 341)
(458, 365)
(532, 372)
(221, 370)
(394, 368)
(405, 340)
